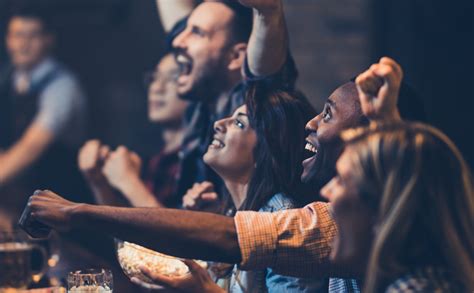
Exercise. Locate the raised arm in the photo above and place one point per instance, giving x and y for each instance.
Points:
(181, 233)
(268, 45)
(171, 11)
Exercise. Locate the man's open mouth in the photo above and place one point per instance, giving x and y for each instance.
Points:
(311, 160)
(310, 147)
(184, 62)
(310, 150)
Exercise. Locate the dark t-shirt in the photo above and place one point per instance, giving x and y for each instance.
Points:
(161, 171)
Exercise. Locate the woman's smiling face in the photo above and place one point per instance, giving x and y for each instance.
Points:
(230, 153)
(354, 218)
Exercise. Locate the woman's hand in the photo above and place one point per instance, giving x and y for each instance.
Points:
(91, 160)
(197, 280)
(199, 195)
(122, 167)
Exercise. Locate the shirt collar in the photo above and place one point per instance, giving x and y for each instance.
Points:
(39, 71)
(42, 69)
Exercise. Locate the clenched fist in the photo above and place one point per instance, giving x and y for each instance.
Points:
(91, 159)
(378, 89)
(52, 210)
(121, 167)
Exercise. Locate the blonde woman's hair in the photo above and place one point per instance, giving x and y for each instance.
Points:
(421, 188)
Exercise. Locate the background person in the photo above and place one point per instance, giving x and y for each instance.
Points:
(120, 171)
(42, 112)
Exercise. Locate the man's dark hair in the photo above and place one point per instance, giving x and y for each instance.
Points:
(33, 11)
(241, 24)
(177, 28)
(242, 21)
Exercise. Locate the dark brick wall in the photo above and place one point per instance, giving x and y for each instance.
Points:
(330, 41)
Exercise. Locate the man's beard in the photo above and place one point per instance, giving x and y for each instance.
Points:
(325, 168)
(209, 83)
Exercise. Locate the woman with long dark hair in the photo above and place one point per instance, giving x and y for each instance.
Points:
(276, 119)
(258, 153)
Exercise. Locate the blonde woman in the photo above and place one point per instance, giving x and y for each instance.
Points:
(403, 201)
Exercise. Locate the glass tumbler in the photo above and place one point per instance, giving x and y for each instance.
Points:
(90, 280)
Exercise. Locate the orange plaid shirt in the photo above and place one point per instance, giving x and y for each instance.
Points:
(293, 242)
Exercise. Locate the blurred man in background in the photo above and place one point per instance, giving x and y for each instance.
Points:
(42, 112)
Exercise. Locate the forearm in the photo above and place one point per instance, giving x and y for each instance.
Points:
(9, 169)
(171, 11)
(104, 194)
(138, 194)
(24, 153)
(268, 45)
(392, 116)
(181, 233)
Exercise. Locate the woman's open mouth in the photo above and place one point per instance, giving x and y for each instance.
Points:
(216, 144)
(156, 103)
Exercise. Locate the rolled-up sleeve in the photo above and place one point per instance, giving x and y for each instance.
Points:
(293, 242)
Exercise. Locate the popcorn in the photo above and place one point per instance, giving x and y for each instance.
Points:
(132, 256)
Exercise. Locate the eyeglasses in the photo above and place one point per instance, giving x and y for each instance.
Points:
(151, 76)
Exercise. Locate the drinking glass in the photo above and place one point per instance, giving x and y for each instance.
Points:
(90, 280)
(17, 266)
